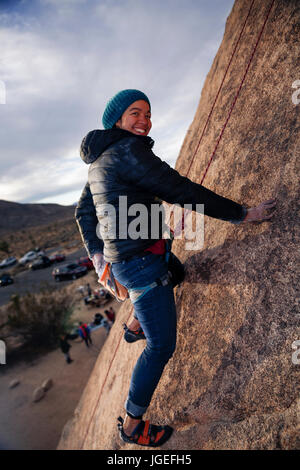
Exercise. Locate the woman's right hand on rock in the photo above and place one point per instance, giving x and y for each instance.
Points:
(262, 212)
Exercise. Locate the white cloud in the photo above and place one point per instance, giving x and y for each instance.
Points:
(62, 60)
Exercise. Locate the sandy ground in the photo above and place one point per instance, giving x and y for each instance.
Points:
(38, 426)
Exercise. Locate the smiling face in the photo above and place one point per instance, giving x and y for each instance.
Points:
(136, 118)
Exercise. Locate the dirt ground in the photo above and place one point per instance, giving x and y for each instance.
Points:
(29, 425)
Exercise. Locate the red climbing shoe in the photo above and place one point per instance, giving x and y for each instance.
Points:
(131, 336)
(146, 434)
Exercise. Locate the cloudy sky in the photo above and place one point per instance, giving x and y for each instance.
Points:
(60, 62)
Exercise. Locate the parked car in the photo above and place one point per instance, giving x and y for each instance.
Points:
(85, 261)
(6, 279)
(57, 258)
(30, 256)
(69, 271)
(8, 262)
(40, 262)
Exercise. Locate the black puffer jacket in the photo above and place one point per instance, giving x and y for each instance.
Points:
(123, 164)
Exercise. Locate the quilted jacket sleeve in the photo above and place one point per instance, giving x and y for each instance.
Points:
(147, 171)
(86, 218)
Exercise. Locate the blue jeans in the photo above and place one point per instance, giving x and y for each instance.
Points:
(156, 313)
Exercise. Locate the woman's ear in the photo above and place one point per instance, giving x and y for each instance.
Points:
(118, 124)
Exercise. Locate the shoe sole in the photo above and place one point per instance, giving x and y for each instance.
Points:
(168, 433)
(131, 337)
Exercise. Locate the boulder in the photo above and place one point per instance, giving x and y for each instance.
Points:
(14, 383)
(38, 394)
(47, 384)
(232, 382)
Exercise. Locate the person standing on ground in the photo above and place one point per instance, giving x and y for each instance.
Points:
(89, 290)
(65, 347)
(84, 333)
(122, 163)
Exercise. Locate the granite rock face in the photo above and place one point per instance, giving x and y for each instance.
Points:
(233, 382)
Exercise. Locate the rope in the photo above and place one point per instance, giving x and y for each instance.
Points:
(238, 92)
(101, 390)
(218, 141)
(217, 95)
(180, 225)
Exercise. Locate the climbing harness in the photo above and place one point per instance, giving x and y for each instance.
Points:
(139, 292)
(210, 160)
(121, 293)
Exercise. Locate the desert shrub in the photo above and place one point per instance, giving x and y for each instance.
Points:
(4, 246)
(40, 318)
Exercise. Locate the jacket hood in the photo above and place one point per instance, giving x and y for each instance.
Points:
(96, 141)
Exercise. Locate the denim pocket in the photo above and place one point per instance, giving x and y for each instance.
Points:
(139, 271)
(145, 261)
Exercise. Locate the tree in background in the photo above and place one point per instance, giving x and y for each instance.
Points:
(40, 318)
(4, 246)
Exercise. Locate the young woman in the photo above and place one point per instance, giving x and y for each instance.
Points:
(122, 169)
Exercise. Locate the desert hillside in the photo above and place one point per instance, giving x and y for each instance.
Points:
(23, 227)
(233, 382)
(17, 216)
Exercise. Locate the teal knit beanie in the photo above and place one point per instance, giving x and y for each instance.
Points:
(118, 104)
